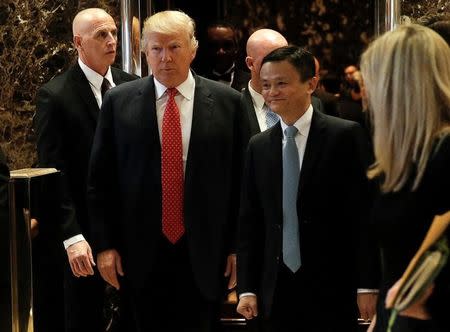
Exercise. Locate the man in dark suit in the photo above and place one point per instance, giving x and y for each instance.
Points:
(163, 185)
(65, 121)
(221, 56)
(297, 231)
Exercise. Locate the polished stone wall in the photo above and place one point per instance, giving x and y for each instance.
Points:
(414, 9)
(336, 31)
(35, 45)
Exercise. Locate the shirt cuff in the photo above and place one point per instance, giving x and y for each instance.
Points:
(367, 290)
(72, 240)
(246, 294)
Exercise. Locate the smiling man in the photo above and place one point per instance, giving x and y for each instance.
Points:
(296, 248)
(65, 121)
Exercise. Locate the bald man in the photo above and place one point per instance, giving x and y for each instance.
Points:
(259, 44)
(65, 122)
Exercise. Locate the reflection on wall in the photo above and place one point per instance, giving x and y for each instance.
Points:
(35, 45)
(335, 30)
(417, 8)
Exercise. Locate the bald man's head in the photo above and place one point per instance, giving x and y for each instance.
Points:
(259, 44)
(95, 38)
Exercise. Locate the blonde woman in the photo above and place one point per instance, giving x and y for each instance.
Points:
(407, 79)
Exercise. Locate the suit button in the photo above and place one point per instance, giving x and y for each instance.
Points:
(306, 221)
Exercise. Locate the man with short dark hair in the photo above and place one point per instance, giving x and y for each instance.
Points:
(297, 235)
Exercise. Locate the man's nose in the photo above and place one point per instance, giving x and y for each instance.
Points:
(165, 55)
(112, 39)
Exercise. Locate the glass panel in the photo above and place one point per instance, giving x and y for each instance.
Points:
(133, 13)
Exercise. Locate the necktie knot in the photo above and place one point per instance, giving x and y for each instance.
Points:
(172, 92)
(105, 86)
(290, 131)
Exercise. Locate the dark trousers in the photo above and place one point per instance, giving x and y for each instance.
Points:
(84, 302)
(48, 285)
(299, 305)
(171, 300)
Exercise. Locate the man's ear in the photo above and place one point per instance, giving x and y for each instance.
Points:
(249, 62)
(77, 41)
(312, 84)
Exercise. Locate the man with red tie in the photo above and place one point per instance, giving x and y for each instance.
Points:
(164, 185)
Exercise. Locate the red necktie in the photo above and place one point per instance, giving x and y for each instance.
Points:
(172, 171)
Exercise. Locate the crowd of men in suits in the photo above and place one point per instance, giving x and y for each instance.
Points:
(175, 185)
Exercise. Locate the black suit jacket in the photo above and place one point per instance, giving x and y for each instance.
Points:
(64, 123)
(329, 102)
(240, 78)
(125, 180)
(333, 164)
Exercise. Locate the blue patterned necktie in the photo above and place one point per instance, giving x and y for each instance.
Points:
(271, 117)
(291, 174)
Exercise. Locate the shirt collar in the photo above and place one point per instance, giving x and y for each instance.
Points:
(258, 99)
(95, 78)
(186, 89)
(303, 124)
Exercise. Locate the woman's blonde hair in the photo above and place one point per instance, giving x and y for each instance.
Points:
(406, 74)
(170, 22)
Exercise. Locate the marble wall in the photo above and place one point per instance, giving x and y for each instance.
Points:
(413, 9)
(35, 45)
(336, 31)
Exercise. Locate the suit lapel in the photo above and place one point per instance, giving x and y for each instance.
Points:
(144, 109)
(250, 110)
(313, 150)
(275, 175)
(117, 76)
(84, 89)
(201, 120)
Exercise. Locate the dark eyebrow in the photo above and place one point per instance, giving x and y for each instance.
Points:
(105, 30)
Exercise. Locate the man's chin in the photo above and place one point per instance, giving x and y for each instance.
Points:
(111, 55)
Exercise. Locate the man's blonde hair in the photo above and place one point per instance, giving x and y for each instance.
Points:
(406, 73)
(170, 22)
